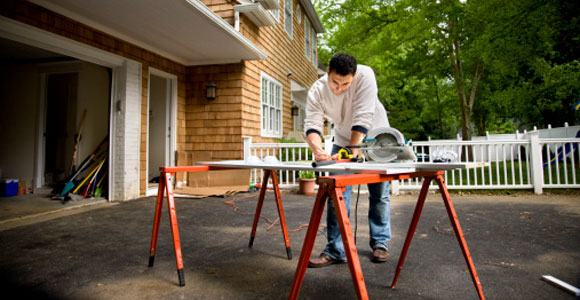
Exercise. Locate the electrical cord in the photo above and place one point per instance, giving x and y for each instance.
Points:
(232, 203)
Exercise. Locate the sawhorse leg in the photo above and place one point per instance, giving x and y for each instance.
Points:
(347, 238)
(278, 198)
(165, 185)
(454, 222)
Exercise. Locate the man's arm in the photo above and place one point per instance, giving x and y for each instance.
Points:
(355, 139)
(315, 143)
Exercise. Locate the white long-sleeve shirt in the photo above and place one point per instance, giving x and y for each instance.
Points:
(359, 105)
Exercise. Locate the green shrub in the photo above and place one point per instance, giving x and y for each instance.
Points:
(307, 174)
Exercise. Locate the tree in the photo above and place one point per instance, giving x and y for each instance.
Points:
(497, 55)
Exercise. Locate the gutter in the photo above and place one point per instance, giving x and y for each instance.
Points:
(312, 15)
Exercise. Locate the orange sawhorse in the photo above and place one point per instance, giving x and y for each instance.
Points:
(166, 186)
(333, 186)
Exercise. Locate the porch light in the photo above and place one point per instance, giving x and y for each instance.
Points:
(210, 91)
(295, 110)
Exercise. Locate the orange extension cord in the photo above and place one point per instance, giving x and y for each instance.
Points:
(232, 203)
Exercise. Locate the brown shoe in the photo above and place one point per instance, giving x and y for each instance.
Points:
(322, 261)
(380, 255)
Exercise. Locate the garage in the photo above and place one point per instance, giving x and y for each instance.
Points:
(55, 114)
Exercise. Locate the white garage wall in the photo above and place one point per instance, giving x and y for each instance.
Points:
(18, 115)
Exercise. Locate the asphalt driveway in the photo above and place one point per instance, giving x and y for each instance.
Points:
(103, 253)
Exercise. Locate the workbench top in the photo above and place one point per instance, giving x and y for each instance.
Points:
(351, 167)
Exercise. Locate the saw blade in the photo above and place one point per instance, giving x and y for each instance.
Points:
(385, 138)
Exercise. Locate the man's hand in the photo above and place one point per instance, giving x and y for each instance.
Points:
(315, 143)
(321, 155)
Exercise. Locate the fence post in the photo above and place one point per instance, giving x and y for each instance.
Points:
(536, 159)
(247, 147)
(395, 188)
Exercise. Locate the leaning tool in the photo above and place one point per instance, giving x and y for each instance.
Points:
(78, 140)
(93, 179)
(70, 183)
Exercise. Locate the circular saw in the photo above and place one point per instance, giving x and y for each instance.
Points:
(386, 144)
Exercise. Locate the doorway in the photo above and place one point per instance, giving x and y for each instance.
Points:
(161, 124)
(59, 126)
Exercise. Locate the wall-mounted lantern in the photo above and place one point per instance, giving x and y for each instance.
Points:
(210, 91)
(295, 110)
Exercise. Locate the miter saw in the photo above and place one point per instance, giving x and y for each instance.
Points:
(381, 145)
(386, 144)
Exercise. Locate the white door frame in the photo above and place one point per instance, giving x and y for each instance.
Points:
(59, 68)
(170, 119)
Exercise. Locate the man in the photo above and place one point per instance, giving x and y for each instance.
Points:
(347, 96)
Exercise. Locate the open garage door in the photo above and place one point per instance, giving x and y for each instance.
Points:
(46, 97)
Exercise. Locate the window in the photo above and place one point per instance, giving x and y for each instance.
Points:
(288, 17)
(298, 14)
(271, 107)
(307, 37)
(314, 49)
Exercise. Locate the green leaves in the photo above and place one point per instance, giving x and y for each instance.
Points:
(500, 62)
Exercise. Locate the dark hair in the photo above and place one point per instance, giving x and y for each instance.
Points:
(343, 64)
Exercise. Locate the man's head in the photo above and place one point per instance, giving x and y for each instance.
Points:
(341, 71)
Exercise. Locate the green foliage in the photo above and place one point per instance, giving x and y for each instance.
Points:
(445, 66)
(290, 140)
(307, 175)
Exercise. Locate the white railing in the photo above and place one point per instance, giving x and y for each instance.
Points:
(506, 166)
(522, 162)
(284, 152)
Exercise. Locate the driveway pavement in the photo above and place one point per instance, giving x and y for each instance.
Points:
(102, 253)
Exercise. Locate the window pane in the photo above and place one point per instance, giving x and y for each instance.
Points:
(314, 49)
(264, 91)
(272, 93)
(278, 97)
(271, 119)
(288, 17)
(264, 118)
(307, 37)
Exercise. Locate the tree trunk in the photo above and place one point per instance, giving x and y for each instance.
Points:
(465, 108)
(439, 109)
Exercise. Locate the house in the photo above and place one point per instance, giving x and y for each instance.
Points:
(150, 78)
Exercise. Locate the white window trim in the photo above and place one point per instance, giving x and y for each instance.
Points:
(313, 42)
(307, 40)
(275, 13)
(286, 17)
(271, 133)
(298, 14)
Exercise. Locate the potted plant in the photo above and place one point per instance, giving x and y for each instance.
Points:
(306, 182)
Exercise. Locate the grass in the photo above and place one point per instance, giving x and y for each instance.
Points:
(511, 173)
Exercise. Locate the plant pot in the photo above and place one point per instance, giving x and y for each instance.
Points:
(306, 186)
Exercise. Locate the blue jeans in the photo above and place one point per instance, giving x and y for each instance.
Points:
(379, 218)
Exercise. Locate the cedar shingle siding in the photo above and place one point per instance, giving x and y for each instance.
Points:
(212, 127)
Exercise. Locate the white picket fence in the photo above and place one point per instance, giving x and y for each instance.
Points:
(520, 161)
